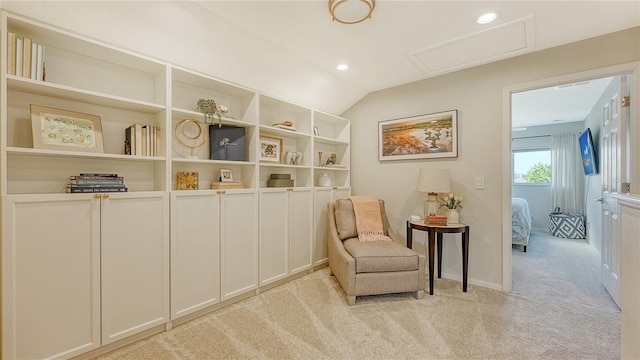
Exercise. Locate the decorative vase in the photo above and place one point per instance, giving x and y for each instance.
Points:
(324, 180)
(287, 157)
(453, 216)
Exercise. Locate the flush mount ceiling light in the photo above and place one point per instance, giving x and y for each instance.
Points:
(487, 18)
(342, 67)
(351, 11)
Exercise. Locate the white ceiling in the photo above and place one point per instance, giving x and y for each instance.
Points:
(406, 41)
(558, 104)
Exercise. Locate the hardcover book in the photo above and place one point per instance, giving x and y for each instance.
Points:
(74, 189)
(227, 143)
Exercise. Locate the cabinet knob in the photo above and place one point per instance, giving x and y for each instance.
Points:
(105, 196)
(96, 196)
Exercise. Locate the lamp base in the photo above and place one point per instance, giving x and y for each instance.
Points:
(431, 205)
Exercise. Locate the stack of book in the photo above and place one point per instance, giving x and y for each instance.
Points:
(227, 185)
(25, 57)
(95, 182)
(142, 140)
(436, 220)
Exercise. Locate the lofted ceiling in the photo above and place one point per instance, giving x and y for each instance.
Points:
(406, 41)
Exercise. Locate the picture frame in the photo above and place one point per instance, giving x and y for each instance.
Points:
(187, 180)
(58, 129)
(226, 175)
(427, 136)
(270, 149)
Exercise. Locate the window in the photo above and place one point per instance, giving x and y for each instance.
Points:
(532, 167)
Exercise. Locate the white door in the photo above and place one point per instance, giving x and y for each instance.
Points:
(135, 263)
(300, 231)
(50, 276)
(238, 242)
(195, 251)
(614, 173)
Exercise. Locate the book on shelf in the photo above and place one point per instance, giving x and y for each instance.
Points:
(25, 57)
(143, 140)
(96, 189)
(102, 185)
(285, 127)
(19, 55)
(11, 53)
(105, 175)
(96, 180)
(227, 185)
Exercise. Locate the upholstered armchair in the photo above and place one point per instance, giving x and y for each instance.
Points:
(370, 268)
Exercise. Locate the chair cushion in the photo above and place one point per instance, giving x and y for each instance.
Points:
(380, 256)
(346, 219)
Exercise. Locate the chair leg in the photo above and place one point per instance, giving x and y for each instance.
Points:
(351, 300)
(419, 294)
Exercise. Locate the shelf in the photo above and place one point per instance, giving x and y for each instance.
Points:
(212, 162)
(273, 131)
(74, 94)
(79, 154)
(329, 141)
(183, 114)
(325, 168)
(266, 164)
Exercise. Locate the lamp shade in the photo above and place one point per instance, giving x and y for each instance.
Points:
(434, 181)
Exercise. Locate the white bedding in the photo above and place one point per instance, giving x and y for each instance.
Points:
(520, 221)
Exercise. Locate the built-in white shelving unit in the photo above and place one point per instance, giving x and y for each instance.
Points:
(135, 261)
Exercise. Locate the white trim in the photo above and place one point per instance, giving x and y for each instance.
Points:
(632, 68)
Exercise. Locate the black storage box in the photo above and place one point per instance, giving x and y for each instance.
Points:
(227, 143)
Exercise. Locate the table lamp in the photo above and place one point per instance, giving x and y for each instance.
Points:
(433, 181)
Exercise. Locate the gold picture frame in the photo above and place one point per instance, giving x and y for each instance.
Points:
(270, 149)
(58, 129)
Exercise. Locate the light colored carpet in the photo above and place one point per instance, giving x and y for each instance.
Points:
(556, 311)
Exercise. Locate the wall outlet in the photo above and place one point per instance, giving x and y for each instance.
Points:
(480, 182)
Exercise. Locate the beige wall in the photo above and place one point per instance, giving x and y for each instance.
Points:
(477, 94)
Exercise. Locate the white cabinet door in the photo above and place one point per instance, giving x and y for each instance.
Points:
(195, 251)
(300, 229)
(239, 242)
(50, 276)
(135, 263)
(274, 234)
(322, 197)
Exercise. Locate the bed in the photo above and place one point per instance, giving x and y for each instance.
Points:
(520, 222)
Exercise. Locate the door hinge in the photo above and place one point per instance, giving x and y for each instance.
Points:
(625, 101)
(625, 187)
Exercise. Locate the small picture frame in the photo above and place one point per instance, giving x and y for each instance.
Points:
(315, 131)
(226, 175)
(187, 180)
(57, 129)
(270, 149)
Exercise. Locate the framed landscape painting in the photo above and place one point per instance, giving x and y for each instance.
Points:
(419, 137)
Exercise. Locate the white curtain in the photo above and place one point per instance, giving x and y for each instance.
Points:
(567, 174)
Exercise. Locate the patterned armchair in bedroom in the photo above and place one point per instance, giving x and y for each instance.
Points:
(373, 267)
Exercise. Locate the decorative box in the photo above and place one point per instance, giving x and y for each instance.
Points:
(227, 143)
(280, 180)
(568, 226)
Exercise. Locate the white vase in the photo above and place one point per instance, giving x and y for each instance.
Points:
(453, 216)
(287, 157)
(324, 180)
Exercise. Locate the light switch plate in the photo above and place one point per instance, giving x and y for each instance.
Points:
(480, 182)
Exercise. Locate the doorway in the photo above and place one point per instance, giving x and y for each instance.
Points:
(556, 83)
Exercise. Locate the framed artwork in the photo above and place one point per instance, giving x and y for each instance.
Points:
(270, 149)
(419, 137)
(57, 129)
(187, 180)
(226, 175)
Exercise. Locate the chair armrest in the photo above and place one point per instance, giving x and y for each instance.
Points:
(342, 264)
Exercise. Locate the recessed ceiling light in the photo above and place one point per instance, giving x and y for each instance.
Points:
(342, 67)
(487, 18)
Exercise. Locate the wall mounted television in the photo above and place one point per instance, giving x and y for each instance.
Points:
(588, 153)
